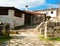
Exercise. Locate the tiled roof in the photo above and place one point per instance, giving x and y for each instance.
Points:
(26, 12)
(33, 13)
(46, 9)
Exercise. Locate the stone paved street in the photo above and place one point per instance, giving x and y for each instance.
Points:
(28, 41)
(28, 38)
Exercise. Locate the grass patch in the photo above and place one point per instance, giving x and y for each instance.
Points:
(48, 39)
(4, 38)
(41, 37)
(55, 39)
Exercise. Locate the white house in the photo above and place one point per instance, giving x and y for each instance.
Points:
(53, 12)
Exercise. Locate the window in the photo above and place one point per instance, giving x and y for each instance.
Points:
(51, 12)
(33, 17)
(18, 14)
(36, 18)
(3, 12)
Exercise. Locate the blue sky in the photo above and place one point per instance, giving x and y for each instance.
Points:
(47, 4)
(33, 4)
(51, 1)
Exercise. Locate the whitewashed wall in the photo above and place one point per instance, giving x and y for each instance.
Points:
(19, 21)
(52, 15)
(10, 18)
(48, 12)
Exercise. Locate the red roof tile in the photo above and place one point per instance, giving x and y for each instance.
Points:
(34, 13)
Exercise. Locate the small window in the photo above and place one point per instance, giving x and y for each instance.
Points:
(36, 18)
(33, 17)
(20, 16)
(51, 12)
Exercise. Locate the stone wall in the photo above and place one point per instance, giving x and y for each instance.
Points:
(53, 29)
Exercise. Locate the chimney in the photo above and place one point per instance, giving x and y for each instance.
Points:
(51, 7)
(26, 7)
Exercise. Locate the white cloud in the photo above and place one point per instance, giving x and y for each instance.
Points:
(52, 5)
(21, 3)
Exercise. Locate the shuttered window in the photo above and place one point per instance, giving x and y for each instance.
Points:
(3, 12)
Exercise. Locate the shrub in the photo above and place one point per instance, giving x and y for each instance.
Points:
(13, 32)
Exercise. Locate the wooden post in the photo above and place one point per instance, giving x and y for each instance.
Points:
(45, 33)
(40, 31)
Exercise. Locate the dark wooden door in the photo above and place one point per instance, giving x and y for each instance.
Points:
(27, 19)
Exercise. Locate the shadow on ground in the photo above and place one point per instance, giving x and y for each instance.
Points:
(26, 27)
(18, 37)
